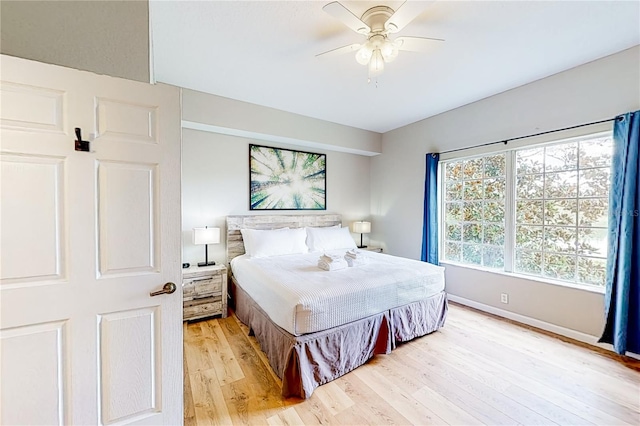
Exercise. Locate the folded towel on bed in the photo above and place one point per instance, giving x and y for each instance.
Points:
(331, 262)
(356, 258)
(330, 258)
(333, 266)
(354, 254)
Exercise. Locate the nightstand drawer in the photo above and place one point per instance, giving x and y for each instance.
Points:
(195, 302)
(196, 288)
(202, 310)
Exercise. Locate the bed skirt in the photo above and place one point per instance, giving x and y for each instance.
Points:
(308, 361)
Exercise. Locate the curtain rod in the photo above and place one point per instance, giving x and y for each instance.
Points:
(505, 141)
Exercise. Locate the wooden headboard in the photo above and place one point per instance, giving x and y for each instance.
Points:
(235, 245)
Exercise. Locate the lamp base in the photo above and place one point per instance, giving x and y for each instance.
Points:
(362, 246)
(210, 263)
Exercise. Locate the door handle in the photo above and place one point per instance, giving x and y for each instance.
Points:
(168, 288)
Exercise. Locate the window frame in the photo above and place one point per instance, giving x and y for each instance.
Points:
(509, 208)
(442, 190)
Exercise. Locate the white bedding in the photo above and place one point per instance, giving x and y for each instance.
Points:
(302, 298)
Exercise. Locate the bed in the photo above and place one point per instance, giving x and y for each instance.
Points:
(315, 326)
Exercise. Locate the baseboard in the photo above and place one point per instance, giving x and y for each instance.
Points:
(553, 328)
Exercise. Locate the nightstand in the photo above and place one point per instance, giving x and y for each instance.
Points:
(204, 292)
(376, 249)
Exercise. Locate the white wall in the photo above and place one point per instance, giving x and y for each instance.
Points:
(595, 91)
(215, 167)
(235, 117)
(106, 37)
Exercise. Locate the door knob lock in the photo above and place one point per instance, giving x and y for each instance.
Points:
(168, 288)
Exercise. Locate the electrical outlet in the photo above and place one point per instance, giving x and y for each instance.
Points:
(504, 298)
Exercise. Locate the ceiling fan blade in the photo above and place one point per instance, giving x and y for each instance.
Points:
(340, 50)
(416, 44)
(343, 14)
(406, 13)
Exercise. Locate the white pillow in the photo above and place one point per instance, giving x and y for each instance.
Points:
(310, 234)
(246, 239)
(247, 235)
(323, 239)
(278, 242)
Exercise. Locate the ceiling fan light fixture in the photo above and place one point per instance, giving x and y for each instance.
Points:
(389, 51)
(363, 55)
(376, 24)
(376, 64)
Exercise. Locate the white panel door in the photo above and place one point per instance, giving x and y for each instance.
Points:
(85, 237)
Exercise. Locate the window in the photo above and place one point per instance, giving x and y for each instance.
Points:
(559, 211)
(474, 210)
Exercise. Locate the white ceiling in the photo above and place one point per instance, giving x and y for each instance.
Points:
(263, 52)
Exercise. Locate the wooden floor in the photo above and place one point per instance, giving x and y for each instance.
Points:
(478, 369)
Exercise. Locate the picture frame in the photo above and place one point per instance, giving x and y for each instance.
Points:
(286, 179)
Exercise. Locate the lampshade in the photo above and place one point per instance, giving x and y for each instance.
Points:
(377, 51)
(363, 55)
(206, 235)
(361, 227)
(376, 64)
(389, 51)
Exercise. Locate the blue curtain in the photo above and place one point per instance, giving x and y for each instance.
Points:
(430, 221)
(622, 297)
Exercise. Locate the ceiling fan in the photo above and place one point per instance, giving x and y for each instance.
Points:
(376, 24)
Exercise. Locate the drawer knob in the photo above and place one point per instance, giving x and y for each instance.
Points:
(168, 288)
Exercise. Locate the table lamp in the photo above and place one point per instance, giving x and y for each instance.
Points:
(206, 236)
(361, 227)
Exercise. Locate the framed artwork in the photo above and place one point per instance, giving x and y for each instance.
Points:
(283, 179)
